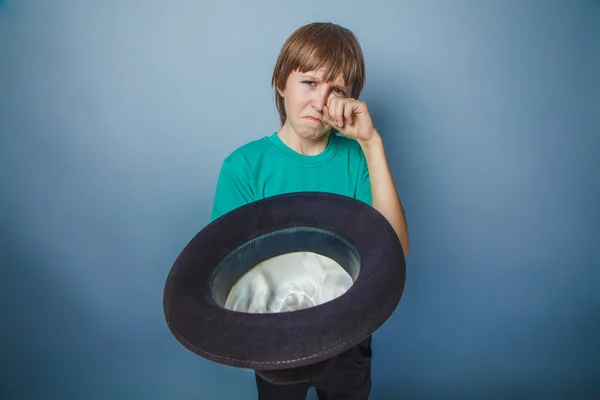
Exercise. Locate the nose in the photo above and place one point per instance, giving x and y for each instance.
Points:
(320, 98)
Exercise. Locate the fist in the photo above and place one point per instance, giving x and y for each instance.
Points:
(350, 117)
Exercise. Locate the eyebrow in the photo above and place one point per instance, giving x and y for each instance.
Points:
(311, 77)
(314, 78)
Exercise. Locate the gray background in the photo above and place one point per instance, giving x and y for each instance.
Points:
(114, 120)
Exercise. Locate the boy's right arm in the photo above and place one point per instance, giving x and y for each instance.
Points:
(234, 187)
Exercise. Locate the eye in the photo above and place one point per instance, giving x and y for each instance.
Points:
(340, 91)
(308, 82)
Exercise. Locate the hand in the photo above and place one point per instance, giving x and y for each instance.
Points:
(351, 118)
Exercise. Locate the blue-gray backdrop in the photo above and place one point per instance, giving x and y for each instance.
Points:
(115, 117)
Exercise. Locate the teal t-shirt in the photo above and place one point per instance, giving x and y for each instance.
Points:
(268, 167)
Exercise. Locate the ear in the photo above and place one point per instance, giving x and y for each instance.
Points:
(281, 92)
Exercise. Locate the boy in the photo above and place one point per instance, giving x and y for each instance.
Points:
(318, 78)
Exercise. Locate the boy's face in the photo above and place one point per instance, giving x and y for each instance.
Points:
(304, 96)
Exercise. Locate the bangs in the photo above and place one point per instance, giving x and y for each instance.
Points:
(332, 52)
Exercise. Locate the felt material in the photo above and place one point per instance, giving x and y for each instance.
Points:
(282, 341)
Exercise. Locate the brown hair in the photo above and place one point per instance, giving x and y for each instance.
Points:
(318, 45)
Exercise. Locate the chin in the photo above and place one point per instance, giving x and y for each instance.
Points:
(312, 134)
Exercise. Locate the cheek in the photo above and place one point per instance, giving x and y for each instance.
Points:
(296, 101)
(290, 107)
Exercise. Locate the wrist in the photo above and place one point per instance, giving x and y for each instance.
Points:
(373, 141)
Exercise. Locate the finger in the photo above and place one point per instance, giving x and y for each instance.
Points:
(348, 110)
(339, 111)
(332, 114)
(332, 108)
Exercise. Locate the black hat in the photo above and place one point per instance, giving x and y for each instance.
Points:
(289, 346)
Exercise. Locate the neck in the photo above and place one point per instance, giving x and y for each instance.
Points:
(302, 145)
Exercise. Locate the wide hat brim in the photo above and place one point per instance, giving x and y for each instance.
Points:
(287, 346)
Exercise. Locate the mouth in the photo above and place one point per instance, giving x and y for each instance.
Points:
(313, 119)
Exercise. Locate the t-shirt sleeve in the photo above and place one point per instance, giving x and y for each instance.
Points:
(234, 187)
(363, 189)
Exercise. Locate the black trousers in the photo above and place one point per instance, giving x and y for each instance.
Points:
(349, 378)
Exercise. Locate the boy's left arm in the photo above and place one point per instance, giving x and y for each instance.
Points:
(352, 119)
(384, 194)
